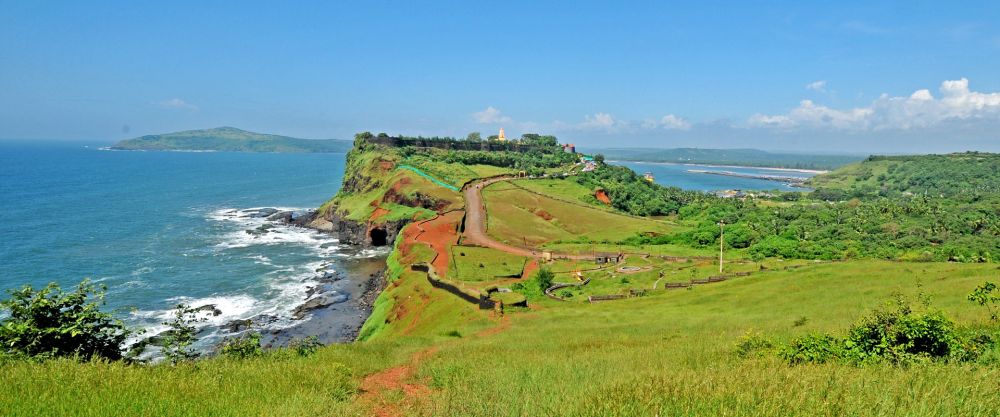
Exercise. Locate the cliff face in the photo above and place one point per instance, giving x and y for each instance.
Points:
(368, 234)
(376, 200)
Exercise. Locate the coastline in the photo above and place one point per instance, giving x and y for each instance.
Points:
(804, 171)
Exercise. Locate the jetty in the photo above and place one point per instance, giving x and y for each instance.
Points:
(794, 181)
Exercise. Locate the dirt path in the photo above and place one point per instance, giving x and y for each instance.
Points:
(440, 234)
(475, 224)
(396, 378)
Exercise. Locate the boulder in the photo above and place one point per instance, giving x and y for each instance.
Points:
(318, 302)
(208, 308)
(281, 216)
(237, 326)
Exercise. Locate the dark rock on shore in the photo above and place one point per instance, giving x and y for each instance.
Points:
(260, 212)
(281, 216)
(317, 302)
(208, 308)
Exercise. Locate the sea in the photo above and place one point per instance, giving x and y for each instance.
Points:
(162, 228)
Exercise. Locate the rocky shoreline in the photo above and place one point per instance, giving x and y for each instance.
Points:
(334, 310)
(337, 301)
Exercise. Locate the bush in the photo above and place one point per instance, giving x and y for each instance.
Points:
(753, 344)
(243, 347)
(544, 278)
(901, 335)
(304, 347)
(987, 296)
(813, 348)
(50, 323)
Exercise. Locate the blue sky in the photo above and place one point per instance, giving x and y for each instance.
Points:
(848, 76)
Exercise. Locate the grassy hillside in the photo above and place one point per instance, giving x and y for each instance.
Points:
(230, 139)
(669, 353)
(744, 157)
(957, 174)
(520, 215)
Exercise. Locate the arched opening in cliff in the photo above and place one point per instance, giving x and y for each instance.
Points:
(378, 237)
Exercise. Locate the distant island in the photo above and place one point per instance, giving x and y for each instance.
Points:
(741, 157)
(230, 139)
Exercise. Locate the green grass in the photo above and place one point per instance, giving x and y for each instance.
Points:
(470, 263)
(507, 297)
(673, 353)
(669, 353)
(358, 206)
(399, 212)
(274, 385)
(454, 174)
(564, 189)
(519, 216)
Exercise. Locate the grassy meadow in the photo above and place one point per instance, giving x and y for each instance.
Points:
(668, 353)
(519, 216)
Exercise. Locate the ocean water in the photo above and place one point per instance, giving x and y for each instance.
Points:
(159, 228)
(678, 175)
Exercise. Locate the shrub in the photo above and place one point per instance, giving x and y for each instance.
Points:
(181, 335)
(901, 335)
(243, 347)
(977, 345)
(50, 322)
(544, 278)
(753, 344)
(987, 296)
(306, 346)
(812, 348)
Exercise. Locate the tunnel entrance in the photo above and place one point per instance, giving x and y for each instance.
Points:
(377, 237)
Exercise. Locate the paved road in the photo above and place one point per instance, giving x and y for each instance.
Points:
(475, 224)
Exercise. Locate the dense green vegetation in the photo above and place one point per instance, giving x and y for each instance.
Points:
(532, 153)
(230, 139)
(918, 228)
(50, 323)
(819, 225)
(966, 176)
(743, 157)
(630, 193)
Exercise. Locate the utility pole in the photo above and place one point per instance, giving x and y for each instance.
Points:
(722, 236)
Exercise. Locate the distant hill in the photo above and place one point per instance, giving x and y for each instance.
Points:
(967, 174)
(230, 139)
(746, 157)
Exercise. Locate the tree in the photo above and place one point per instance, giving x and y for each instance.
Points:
(544, 278)
(474, 137)
(178, 340)
(50, 323)
(599, 159)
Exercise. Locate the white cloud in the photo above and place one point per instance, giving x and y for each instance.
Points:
(176, 103)
(918, 110)
(817, 86)
(674, 122)
(668, 122)
(490, 116)
(599, 121)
